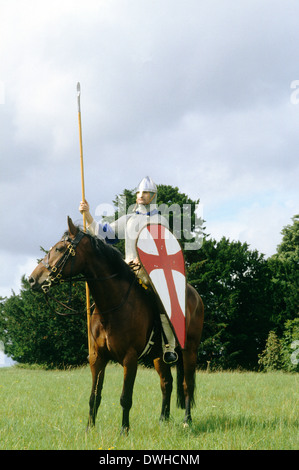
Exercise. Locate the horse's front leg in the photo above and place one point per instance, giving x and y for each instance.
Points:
(130, 369)
(97, 366)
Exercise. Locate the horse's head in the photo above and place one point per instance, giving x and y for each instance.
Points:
(60, 262)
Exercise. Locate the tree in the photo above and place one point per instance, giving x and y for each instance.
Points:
(289, 247)
(181, 213)
(284, 266)
(233, 282)
(245, 297)
(33, 333)
(271, 358)
(290, 346)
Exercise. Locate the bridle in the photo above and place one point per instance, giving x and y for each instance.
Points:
(55, 271)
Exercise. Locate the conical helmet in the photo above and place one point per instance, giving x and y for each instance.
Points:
(146, 184)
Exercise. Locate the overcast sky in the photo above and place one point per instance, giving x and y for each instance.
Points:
(195, 93)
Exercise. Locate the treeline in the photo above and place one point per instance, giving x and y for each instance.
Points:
(251, 304)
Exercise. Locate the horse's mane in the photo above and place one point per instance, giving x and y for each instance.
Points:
(111, 254)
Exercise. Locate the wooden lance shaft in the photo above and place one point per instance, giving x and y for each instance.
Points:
(83, 199)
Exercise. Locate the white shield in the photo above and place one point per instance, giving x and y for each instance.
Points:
(162, 258)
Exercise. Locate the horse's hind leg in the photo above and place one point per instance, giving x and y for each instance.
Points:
(189, 359)
(98, 373)
(166, 386)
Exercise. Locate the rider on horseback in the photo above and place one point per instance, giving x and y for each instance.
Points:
(128, 227)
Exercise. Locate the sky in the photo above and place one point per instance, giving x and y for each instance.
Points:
(198, 94)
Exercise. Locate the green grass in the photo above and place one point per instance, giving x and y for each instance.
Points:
(48, 410)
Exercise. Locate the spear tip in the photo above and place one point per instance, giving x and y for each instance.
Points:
(78, 88)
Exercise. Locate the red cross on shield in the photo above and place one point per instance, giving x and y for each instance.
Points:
(162, 258)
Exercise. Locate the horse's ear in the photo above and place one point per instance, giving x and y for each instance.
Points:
(73, 230)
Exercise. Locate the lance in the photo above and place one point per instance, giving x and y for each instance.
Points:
(83, 199)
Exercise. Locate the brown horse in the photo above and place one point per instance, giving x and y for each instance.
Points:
(123, 319)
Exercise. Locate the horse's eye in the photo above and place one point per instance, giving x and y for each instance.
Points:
(58, 250)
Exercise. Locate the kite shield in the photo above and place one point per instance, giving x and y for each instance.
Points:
(162, 258)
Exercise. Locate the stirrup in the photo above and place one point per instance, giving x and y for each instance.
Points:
(170, 357)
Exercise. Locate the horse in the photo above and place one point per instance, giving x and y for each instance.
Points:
(122, 321)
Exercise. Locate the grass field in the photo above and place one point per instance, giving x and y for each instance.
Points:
(48, 410)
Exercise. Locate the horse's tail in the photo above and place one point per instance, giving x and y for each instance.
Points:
(180, 395)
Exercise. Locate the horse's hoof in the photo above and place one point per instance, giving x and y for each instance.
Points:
(164, 418)
(90, 426)
(124, 431)
(187, 422)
